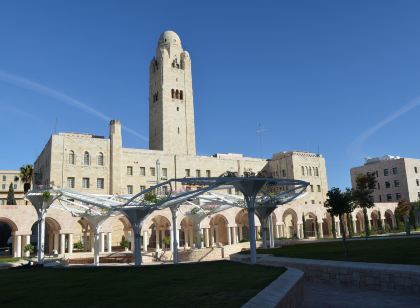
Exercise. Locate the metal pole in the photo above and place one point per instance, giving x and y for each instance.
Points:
(174, 236)
(41, 236)
(251, 222)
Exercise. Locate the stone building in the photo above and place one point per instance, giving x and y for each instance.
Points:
(8, 177)
(102, 165)
(397, 178)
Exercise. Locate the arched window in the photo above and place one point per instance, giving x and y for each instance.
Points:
(100, 159)
(173, 93)
(316, 171)
(86, 158)
(306, 167)
(303, 170)
(181, 94)
(177, 94)
(310, 171)
(71, 158)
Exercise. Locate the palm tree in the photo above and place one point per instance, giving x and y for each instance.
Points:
(365, 185)
(340, 203)
(26, 172)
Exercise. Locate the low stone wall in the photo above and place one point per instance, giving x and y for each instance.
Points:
(371, 276)
(285, 291)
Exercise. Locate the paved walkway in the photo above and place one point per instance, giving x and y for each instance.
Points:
(326, 295)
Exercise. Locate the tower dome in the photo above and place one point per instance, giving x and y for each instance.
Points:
(169, 37)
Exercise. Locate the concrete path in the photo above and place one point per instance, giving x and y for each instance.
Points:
(326, 295)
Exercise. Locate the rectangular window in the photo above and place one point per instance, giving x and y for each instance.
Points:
(187, 172)
(312, 188)
(142, 188)
(283, 173)
(4, 178)
(142, 171)
(418, 182)
(380, 198)
(379, 186)
(395, 170)
(70, 182)
(197, 173)
(100, 183)
(129, 189)
(152, 171)
(164, 172)
(313, 201)
(85, 183)
(418, 195)
(385, 172)
(129, 170)
(388, 197)
(208, 173)
(3, 186)
(14, 186)
(398, 196)
(387, 185)
(319, 188)
(415, 169)
(397, 183)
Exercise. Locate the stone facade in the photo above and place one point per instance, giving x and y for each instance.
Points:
(397, 178)
(8, 177)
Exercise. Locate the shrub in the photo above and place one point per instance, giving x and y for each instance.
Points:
(79, 245)
(29, 248)
(124, 243)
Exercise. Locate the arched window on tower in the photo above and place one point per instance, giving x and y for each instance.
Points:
(100, 159)
(181, 94)
(86, 158)
(310, 171)
(316, 171)
(173, 93)
(177, 94)
(71, 158)
(303, 170)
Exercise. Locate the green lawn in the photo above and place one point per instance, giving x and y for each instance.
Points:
(208, 284)
(396, 251)
(7, 260)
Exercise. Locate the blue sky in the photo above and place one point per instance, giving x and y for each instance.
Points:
(338, 76)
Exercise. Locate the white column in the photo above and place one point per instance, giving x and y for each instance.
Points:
(70, 248)
(56, 241)
(354, 226)
(229, 237)
(241, 234)
(212, 237)
(101, 242)
(109, 242)
(234, 235)
(62, 243)
(17, 253)
(191, 237)
(337, 227)
(145, 235)
(92, 241)
(26, 241)
(217, 235)
(298, 231)
(207, 236)
(321, 232)
(157, 232)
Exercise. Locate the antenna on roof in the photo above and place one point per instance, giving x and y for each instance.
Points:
(260, 130)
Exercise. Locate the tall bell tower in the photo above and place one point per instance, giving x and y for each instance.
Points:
(171, 104)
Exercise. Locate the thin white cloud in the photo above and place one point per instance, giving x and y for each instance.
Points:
(356, 146)
(59, 96)
(19, 112)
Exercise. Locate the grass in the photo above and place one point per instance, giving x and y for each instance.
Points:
(7, 260)
(394, 251)
(208, 284)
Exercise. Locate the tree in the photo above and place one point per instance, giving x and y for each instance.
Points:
(11, 195)
(403, 210)
(350, 224)
(365, 185)
(26, 172)
(340, 203)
